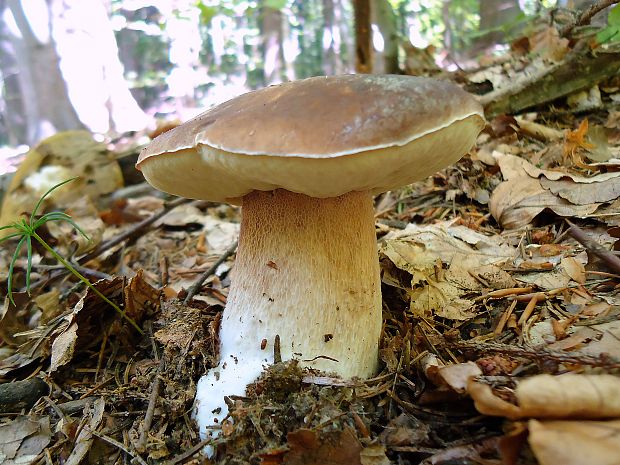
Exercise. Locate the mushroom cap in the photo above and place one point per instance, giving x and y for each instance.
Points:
(322, 136)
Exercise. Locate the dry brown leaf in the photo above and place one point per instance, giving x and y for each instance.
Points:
(574, 269)
(405, 430)
(584, 193)
(94, 414)
(12, 320)
(575, 141)
(374, 455)
(515, 203)
(458, 375)
(555, 175)
(506, 197)
(570, 396)
(548, 44)
(466, 253)
(575, 341)
(14, 362)
(442, 299)
(60, 157)
(23, 439)
(546, 396)
(49, 304)
(139, 297)
(608, 344)
(575, 442)
(513, 166)
(63, 347)
(307, 447)
(488, 403)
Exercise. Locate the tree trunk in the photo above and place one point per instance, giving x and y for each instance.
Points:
(288, 43)
(13, 122)
(69, 72)
(271, 29)
(494, 14)
(363, 57)
(330, 36)
(448, 34)
(42, 88)
(385, 57)
(344, 28)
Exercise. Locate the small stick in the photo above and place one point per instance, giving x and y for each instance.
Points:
(500, 293)
(608, 257)
(541, 296)
(188, 453)
(133, 231)
(529, 309)
(539, 354)
(96, 388)
(504, 319)
(586, 15)
(195, 288)
(163, 270)
(119, 445)
(148, 417)
(112, 242)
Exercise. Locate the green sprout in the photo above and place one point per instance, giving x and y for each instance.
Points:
(26, 230)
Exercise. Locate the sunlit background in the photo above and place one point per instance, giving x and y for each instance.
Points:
(115, 66)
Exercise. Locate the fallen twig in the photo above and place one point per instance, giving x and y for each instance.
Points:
(195, 288)
(188, 453)
(529, 309)
(148, 417)
(504, 318)
(95, 388)
(138, 228)
(118, 445)
(608, 257)
(501, 293)
(540, 296)
(135, 230)
(533, 353)
(587, 14)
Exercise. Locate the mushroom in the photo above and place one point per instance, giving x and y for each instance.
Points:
(304, 160)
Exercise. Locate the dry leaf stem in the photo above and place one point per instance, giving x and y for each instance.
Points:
(587, 15)
(192, 291)
(538, 354)
(608, 257)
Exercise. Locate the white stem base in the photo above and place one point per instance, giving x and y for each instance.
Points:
(306, 270)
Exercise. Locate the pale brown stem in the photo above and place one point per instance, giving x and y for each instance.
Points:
(306, 270)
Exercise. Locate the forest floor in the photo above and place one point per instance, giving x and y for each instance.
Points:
(501, 285)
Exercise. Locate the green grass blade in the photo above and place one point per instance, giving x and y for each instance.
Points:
(60, 216)
(72, 223)
(10, 236)
(52, 216)
(29, 257)
(9, 282)
(53, 188)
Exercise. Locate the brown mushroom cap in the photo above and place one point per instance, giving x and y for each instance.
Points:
(322, 137)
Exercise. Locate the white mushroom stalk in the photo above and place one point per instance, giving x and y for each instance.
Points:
(306, 270)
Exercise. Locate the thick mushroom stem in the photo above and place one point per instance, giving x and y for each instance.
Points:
(306, 270)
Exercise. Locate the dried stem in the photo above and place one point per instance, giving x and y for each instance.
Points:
(608, 257)
(587, 14)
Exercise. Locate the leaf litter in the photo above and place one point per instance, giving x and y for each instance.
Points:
(501, 327)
